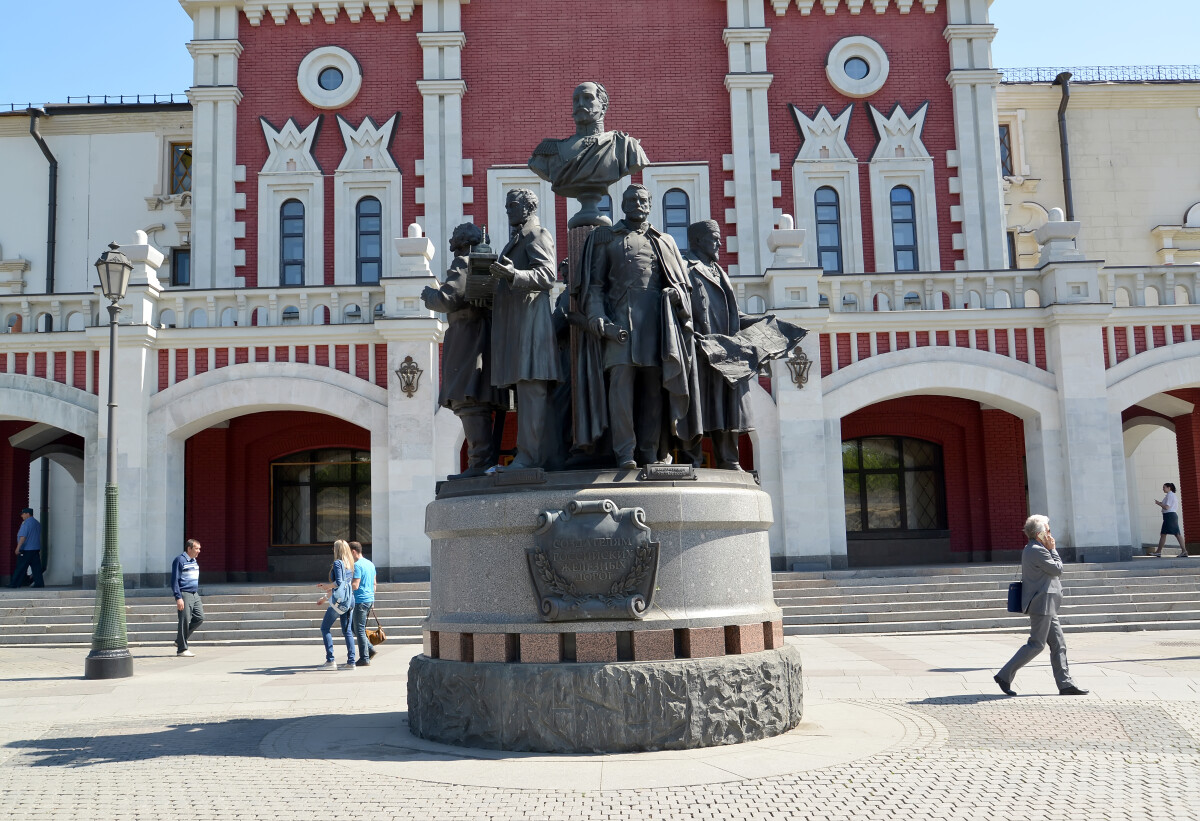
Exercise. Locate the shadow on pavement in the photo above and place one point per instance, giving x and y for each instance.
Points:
(365, 737)
(977, 698)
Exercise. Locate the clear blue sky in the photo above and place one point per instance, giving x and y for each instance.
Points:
(55, 48)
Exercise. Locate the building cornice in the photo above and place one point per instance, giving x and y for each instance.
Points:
(745, 35)
(442, 39)
(433, 88)
(112, 122)
(215, 48)
(974, 77)
(830, 7)
(214, 94)
(748, 81)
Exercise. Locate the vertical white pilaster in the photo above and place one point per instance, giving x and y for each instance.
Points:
(751, 160)
(442, 88)
(1092, 509)
(214, 96)
(973, 82)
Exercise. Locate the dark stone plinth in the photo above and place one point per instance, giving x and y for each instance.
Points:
(598, 708)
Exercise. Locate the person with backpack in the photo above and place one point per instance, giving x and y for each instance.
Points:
(340, 596)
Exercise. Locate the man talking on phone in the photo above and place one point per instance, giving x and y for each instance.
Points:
(1041, 596)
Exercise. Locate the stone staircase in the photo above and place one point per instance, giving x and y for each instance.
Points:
(1145, 594)
(234, 614)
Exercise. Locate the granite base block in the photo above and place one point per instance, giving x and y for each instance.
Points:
(541, 648)
(598, 708)
(653, 645)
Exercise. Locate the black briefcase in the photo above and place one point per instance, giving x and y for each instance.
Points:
(1014, 597)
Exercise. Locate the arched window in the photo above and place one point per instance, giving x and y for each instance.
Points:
(677, 216)
(904, 228)
(369, 240)
(605, 207)
(893, 483)
(318, 496)
(291, 243)
(829, 230)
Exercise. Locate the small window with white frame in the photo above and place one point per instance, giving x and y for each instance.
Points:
(680, 193)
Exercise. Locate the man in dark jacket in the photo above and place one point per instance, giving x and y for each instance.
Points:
(1041, 596)
(724, 407)
(524, 346)
(637, 284)
(466, 354)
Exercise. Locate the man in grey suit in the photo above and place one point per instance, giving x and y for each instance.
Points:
(1041, 596)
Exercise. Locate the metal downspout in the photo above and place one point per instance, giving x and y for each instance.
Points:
(52, 203)
(1064, 143)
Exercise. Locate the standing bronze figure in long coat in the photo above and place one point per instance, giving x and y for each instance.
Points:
(724, 407)
(524, 345)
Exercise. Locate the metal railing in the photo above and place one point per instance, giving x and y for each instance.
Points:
(104, 99)
(1104, 74)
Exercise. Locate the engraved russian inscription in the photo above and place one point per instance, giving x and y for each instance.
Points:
(593, 561)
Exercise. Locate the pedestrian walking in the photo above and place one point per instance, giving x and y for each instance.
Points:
(185, 584)
(340, 596)
(29, 550)
(1170, 525)
(364, 601)
(1041, 598)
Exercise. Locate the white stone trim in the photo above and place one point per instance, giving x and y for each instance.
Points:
(503, 178)
(901, 159)
(825, 159)
(366, 170)
(855, 6)
(214, 96)
(870, 52)
(691, 178)
(291, 172)
(317, 61)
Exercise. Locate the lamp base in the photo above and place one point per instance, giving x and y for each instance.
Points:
(108, 664)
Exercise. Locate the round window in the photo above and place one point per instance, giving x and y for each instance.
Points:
(856, 68)
(331, 78)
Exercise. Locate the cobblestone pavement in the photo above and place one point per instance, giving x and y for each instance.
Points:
(245, 733)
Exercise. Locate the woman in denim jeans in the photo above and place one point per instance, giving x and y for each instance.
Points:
(339, 574)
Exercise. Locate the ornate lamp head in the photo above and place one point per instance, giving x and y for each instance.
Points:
(114, 269)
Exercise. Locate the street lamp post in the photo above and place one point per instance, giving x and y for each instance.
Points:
(110, 643)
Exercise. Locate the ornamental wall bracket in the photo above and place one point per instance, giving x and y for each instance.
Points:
(409, 374)
(799, 364)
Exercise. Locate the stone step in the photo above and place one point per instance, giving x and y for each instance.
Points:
(1145, 601)
(1076, 583)
(1015, 623)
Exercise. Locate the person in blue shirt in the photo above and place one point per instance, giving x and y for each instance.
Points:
(364, 600)
(29, 550)
(185, 584)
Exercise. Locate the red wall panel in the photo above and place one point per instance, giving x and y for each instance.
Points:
(983, 457)
(228, 482)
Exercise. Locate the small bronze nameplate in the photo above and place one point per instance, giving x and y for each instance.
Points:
(667, 473)
(593, 561)
(520, 476)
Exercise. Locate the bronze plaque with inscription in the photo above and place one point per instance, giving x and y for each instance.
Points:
(593, 561)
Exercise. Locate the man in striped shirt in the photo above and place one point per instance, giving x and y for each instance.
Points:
(185, 584)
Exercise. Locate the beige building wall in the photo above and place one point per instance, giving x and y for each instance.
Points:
(1135, 161)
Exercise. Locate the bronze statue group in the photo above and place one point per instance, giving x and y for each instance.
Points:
(643, 353)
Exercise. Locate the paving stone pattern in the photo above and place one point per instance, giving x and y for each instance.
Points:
(71, 749)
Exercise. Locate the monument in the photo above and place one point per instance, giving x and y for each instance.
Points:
(626, 606)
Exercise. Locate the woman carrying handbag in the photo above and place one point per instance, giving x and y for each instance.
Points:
(340, 595)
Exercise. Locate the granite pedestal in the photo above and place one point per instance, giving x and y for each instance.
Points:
(701, 663)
